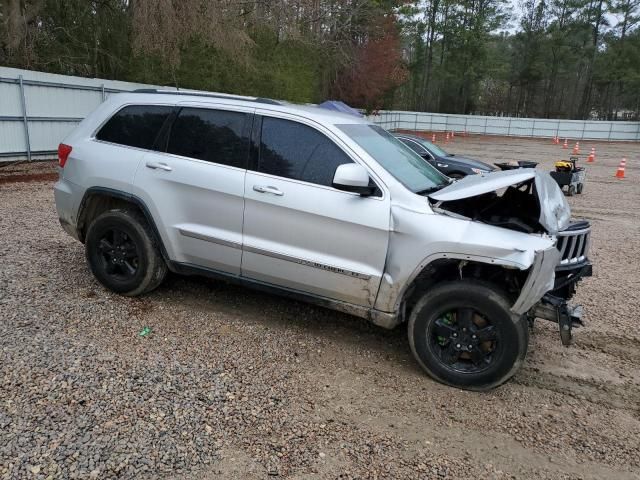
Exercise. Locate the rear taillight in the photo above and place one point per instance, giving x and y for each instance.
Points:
(63, 153)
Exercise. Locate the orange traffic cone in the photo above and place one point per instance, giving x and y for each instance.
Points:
(565, 144)
(453, 134)
(592, 155)
(446, 140)
(576, 148)
(433, 138)
(620, 171)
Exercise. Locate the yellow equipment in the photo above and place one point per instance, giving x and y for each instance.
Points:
(567, 174)
(564, 166)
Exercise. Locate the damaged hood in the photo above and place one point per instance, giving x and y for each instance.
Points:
(555, 213)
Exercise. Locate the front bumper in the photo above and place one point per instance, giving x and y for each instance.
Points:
(554, 305)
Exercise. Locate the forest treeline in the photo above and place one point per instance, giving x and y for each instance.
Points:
(535, 58)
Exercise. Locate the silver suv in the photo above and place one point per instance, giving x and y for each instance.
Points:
(327, 208)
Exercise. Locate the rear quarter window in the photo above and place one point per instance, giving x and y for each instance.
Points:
(135, 125)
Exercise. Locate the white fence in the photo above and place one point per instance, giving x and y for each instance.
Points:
(508, 126)
(37, 110)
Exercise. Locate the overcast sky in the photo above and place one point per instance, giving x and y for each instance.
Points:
(516, 13)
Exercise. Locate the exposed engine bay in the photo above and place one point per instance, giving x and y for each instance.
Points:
(516, 208)
(525, 200)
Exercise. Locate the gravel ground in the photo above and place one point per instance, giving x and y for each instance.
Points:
(237, 384)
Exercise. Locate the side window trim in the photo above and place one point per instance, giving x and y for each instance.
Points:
(162, 139)
(254, 145)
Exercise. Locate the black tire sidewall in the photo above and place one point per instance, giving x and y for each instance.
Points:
(486, 300)
(126, 223)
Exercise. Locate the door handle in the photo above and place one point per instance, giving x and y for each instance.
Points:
(268, 189)
(159, 166)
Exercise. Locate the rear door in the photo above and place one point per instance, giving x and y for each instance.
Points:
(111, 157)
(299, 231)
(194, 187)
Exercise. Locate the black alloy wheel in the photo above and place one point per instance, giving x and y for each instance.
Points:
(464, 340)
(119, 254)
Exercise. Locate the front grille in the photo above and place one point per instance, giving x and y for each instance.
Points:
(573, 243)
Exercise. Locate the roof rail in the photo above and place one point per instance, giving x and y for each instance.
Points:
(197, 93)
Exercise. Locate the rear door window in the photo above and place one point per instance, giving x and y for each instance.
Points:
(293, 150)
(217, 136)
(135, 125)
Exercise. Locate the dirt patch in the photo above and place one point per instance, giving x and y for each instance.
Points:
(26, 172)
(33, 177)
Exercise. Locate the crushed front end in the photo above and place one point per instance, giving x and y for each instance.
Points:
(573, 245)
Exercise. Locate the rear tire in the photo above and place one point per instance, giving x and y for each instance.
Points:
(122, 253)
(580, 188)
(571, 190)
(463, 334)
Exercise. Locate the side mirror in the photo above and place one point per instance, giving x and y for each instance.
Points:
(351, 177)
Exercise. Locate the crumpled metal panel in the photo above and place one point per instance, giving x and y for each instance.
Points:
(555, 212)
(417, 238)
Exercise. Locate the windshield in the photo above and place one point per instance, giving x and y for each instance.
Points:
(434, 148)
(396, 158)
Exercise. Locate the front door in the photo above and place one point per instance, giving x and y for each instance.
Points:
(299, 231)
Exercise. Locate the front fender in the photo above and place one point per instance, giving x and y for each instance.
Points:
(419, 238)
(540, 280)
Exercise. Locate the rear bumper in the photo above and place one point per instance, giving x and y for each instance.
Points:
(67, 196)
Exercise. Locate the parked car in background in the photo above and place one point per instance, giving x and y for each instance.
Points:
(448, 163)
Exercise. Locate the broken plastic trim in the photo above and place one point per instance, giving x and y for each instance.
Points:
(540, 280)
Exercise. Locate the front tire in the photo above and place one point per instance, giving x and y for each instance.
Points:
(122, 253)
(463, 334)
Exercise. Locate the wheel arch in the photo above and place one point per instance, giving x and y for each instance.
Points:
(97, 200)
(508, 275)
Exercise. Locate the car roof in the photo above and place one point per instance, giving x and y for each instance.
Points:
(409, 135)
(313, 112)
